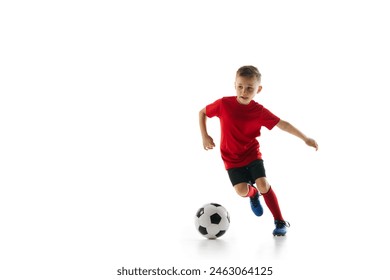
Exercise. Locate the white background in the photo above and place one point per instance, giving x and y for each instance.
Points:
(101, 158)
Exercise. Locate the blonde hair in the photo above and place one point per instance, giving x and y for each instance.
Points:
(249, 71)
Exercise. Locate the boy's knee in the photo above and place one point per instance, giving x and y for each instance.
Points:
(241, 189)
(262, 185)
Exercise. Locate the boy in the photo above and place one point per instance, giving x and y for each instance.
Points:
(241, 119)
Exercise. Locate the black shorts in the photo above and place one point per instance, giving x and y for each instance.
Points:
(248, 173)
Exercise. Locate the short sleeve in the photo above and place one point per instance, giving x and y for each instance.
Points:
(213, 109)
(269, 120)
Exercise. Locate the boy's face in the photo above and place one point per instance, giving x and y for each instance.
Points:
(246, 89)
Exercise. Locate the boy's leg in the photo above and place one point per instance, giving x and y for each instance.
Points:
(269, 197)
(273, 205)
(240, 178)
(257, 172)
(243, 180)
(247, 190)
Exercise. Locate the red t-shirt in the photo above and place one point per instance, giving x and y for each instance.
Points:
(240, 126)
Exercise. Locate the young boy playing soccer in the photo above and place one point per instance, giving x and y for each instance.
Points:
(241, 119)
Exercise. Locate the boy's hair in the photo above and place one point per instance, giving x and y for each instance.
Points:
(249, 71)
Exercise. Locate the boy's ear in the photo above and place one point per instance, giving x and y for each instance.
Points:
(259, 89)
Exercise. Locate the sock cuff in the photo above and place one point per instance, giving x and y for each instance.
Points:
(251, 191)
(269, 191)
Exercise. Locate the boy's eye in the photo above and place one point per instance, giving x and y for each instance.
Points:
(250, 89)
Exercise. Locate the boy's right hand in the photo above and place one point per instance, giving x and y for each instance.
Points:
(208, 143)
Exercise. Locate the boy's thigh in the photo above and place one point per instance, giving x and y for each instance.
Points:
(247, 174)
(239, 175)
(256, 170)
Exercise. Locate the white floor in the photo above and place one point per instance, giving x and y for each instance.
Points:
(314, 248)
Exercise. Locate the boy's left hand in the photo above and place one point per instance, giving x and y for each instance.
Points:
(312, 143)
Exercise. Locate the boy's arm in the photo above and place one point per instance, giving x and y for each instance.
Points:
(208, 142)
(288, 127)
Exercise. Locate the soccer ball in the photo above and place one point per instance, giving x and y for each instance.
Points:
(212, 220)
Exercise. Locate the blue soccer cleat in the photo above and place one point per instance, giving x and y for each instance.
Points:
(255, 205)
(281, 228)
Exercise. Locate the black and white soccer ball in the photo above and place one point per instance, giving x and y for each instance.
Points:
(212, 220)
